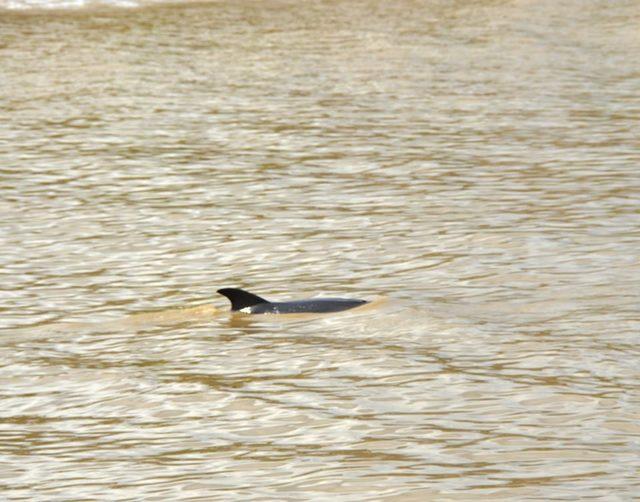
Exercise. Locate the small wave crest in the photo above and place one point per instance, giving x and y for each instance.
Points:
(31, 5)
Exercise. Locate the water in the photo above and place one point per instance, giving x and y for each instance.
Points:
(473, 165)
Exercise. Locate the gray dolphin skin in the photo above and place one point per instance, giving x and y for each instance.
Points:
(243, 301)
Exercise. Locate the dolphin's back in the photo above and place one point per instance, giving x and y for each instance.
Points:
(244, 301)
(313, 305)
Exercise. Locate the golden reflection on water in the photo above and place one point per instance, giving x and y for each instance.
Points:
(473, 165)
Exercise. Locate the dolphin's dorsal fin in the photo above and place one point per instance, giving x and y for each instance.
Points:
(240, 298)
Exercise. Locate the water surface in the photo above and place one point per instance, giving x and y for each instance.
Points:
(475, 164)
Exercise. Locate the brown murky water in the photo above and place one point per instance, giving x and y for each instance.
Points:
(476, 164)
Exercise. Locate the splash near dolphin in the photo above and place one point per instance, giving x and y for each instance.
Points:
(243, 301)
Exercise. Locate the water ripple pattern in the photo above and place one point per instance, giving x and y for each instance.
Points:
(475, 165)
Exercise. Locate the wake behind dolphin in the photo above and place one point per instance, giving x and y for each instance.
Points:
(243, 301)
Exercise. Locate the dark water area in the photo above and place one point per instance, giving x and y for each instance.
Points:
(472, 167)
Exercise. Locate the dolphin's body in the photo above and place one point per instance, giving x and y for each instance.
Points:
(243, 301)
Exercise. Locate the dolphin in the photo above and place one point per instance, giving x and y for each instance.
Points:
(243, 301)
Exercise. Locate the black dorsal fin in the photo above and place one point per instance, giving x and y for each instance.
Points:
(240, 298)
